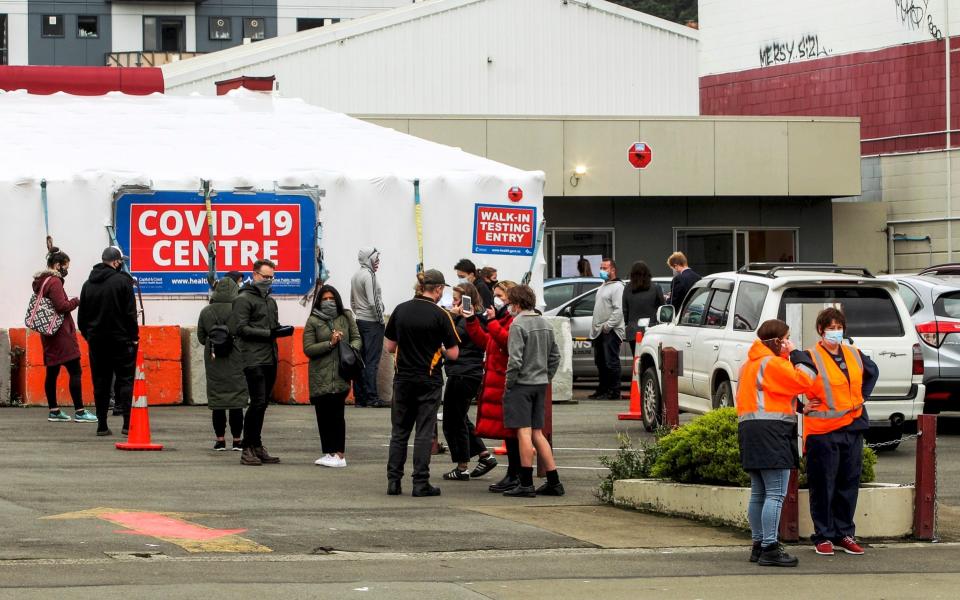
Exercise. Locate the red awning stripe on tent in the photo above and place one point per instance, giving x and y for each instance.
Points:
(82, 81)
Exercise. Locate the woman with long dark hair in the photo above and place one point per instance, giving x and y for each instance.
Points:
(61, 349)
(328, 326)
(641, 299)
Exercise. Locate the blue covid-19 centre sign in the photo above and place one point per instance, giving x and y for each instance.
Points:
(166, 235)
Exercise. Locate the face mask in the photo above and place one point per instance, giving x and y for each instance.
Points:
(513, 311)
(604, 275)
(464, 280)
(328, 308)
(498, 302)
(62, 271)
(119, 266)
(263, 286)
(834, 336)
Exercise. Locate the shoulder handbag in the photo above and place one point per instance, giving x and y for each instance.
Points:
(349, 361)
(41, 316)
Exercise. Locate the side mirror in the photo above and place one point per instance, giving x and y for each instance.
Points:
(665, 314)
(643, 323)
(567, 311)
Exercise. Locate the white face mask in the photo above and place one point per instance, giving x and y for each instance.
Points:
(498, 302)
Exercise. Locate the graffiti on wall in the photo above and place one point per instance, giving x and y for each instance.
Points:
(801, 48)
(915, 16)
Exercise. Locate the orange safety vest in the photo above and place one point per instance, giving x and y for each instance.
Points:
(769, 385)
(841, 399)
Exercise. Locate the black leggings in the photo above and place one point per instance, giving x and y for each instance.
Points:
(330, 421)
(76, 390)
(220, 422)
(457, 427)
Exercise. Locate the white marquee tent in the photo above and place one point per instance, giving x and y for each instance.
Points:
(88, 148)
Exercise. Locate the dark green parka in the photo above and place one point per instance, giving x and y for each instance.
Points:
(226, 386)
(324, 361)
(252, 321)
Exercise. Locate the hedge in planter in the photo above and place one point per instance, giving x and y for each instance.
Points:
(706, 451)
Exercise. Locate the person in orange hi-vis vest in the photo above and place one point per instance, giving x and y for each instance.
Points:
(834, 421)
(774, 374)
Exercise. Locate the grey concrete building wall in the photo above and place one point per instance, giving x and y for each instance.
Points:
(69, 49)
(236, 12)
(644, 227)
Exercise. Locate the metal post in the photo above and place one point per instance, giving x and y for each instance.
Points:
(925, 492)
(671, 402)
(547, 428)
(790, 515)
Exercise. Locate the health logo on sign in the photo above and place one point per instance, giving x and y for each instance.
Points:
(499, 229)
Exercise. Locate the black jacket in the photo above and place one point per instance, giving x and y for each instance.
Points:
(486, 294)
(252, 321)
(640, 305)
(108, 308)
(470, 361)
(681, 285)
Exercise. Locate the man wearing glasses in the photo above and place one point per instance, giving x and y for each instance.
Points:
(255, 324)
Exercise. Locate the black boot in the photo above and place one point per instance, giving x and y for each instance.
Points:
(507, 483)
(755, 551)
(775, 556)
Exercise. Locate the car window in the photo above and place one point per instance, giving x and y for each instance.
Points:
(693, 311)
(910, 298)
(717, 312)
(870, 311)
(584, 306)
(555, 295)
(586, 286)
(749, 306)
(947, 305)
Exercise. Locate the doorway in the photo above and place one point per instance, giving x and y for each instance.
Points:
(164, 34)
(576, 251)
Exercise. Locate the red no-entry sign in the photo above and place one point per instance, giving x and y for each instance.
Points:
(640, 155)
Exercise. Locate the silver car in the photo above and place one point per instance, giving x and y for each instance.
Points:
(933, 302)
(580, 312)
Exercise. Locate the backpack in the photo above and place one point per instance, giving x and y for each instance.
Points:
(220, 341)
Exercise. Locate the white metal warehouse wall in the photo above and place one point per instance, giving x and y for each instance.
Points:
(491, 57)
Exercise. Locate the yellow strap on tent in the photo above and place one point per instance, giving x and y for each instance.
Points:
(418, 208)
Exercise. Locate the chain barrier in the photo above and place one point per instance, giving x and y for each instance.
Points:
(895, 442)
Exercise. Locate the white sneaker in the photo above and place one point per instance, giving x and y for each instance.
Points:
(440, 416)
(341, 462)
(328, 460)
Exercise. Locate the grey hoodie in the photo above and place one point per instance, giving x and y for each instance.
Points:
(366, 299)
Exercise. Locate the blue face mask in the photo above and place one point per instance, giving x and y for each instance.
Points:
(834, 336)
(604, 275)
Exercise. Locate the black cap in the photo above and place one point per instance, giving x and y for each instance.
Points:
(112, 253)
(433, 277)
(235, 275)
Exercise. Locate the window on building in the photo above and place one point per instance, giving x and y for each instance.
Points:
(164, 34)
(304, 24)
(3, 39)
(88, 26)
(220, 28)
(254, 28)
(51, 25)
(569, 251)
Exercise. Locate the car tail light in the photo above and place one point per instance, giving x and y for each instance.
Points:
(917, 360)
(934, 332)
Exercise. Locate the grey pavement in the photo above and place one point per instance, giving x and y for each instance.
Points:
(334, 533)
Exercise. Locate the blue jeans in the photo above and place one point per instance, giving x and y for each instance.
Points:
(371, 335)
(768, 488)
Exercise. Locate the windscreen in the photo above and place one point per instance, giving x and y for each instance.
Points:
(870, 312)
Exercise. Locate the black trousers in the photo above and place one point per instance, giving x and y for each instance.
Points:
(330, 421)
(76, 389)
(371, 336)
(606, 356)
(415, 404)
(260, 380)
(457, 427)
(220, 422)
(112, 365)
(834, 461)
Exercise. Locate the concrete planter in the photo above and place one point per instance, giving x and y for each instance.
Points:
(883, 510)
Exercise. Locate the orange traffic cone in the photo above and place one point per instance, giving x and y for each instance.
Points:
(502, 449)
(635, 411)
(139, 436)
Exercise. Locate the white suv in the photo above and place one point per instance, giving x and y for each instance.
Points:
(719, 319)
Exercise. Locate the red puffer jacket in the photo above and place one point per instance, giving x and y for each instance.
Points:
(490, 401)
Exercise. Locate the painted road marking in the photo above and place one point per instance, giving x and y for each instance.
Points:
(172, 528)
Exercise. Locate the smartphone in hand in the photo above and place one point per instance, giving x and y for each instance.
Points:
(467, 303)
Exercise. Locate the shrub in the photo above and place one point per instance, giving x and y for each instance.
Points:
(702, 451)
(629, 463)
(706, 450)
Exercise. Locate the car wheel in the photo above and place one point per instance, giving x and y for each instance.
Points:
(652, 405)
(888, 436)
(723, 395)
